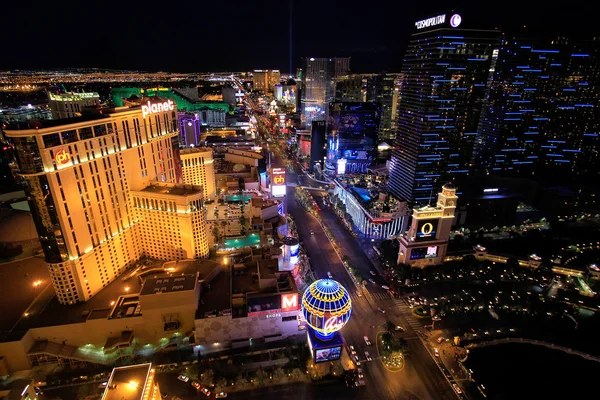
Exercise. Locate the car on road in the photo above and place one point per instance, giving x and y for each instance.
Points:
(196, 384)
(312, 232)
(436, 352)
(385, 287)
(381, 310)
(221, 395)
(352, 350)
(440, 339)
(356, 360)
(398, 328)
(183, 378)
(372, 281)
(329, 275)
(359, 294)
(367, 341)
(368, 356)
(360, 382)
(359, 371)
(456, 388)
(372, 273)
(205, 392)
(436, 318)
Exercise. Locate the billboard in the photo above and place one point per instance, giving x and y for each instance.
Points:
(278, 182)
(426, 229)
(330, 354)
(424, 252)
(264, 305)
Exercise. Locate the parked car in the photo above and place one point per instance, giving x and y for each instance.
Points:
(183, 378)
(221, 395)
(196, 384)
(372, 272)
(205, 392)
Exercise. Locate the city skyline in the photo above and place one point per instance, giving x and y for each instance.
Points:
(376, 40)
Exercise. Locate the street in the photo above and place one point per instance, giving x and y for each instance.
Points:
(421, 377)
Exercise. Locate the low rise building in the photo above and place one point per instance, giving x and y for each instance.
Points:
(375, 214)
(134, 382)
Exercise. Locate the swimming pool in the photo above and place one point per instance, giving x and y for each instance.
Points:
(251, 240)
(237, 197)
(363, 193)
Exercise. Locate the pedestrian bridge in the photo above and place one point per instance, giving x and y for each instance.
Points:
(534, 342)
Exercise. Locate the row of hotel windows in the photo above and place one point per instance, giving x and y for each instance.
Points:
(160, 127)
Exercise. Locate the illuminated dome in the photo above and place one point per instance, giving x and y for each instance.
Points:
(326, 307)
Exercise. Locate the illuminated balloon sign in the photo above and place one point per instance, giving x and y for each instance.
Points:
(327, 307)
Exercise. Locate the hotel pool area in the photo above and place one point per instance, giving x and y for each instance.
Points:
(237, 197)
(251, 240)
(363, 193)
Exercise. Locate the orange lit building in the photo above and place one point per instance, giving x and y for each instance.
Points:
(81, 174)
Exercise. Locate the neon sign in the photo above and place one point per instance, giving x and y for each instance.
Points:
(152, 108)
(62, 158)
(426, 23)
(455, 20)
(289, 302)
(333, 325)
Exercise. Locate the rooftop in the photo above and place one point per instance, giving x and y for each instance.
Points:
(191, 150)
(168, 284)
(52, 123)
(215, 298)
(173, 189)
(127, 383)
(43, 309)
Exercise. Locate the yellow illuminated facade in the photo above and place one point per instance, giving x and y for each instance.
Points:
(198, 169)
(80, 179)
(426, 242)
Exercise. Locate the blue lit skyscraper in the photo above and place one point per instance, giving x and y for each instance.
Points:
(541, 119)
(445, 74)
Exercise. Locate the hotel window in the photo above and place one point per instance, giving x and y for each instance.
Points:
(51, 140)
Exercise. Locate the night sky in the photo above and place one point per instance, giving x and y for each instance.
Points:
(215, 35)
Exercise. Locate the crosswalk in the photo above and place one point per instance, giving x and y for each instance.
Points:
(408, 315)
(373, 296)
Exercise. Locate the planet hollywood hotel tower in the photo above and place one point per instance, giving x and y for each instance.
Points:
(102, 189)
(445, 77)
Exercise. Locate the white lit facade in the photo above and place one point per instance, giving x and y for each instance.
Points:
(80, 178)
(69, 105)
(198, 168)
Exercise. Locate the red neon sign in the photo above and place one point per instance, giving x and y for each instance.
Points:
(289, 302)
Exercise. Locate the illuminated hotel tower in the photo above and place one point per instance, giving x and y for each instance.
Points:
(198, 169)
(445, 78)
(81, 175)
(427, 240)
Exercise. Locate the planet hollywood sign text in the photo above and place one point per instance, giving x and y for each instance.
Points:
(333, 325)
(152, 108)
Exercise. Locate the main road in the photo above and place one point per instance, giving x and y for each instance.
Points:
(420, 378)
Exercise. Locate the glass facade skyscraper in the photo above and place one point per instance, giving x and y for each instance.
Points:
(318, 85)
(541, 118)
(352, 135)
(445, 75)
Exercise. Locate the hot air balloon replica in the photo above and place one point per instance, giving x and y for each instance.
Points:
(327, 307)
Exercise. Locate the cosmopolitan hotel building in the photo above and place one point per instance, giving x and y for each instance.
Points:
(541, 118)
(445, 75)
(104, 189)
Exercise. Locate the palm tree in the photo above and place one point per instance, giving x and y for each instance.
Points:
(389, 327)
